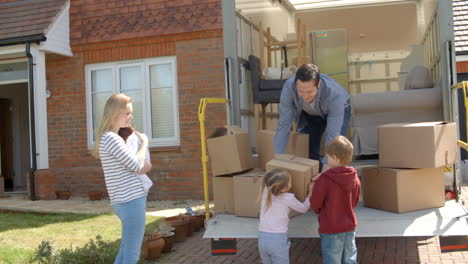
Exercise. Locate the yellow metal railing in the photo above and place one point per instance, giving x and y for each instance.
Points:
(464, 86)
(204, 158)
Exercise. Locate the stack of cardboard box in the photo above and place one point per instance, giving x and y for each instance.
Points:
(237, 181)
(410, 174)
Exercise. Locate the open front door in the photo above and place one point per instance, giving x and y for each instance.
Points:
(6, 143)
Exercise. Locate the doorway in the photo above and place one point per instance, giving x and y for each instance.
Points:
(14, 136)
(6, 144)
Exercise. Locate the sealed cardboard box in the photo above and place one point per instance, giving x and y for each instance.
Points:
(223, 195)
(246, 191)
(417, 145)
(301, 170)
(231, 153)
(403, 190)
(298, 145)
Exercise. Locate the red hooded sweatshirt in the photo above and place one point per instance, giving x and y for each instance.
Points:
(335, 194)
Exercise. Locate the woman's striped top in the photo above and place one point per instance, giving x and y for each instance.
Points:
(120, 167)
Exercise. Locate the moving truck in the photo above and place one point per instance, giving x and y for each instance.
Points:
(378, 42)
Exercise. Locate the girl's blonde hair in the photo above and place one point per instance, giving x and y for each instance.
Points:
(276, 181)
(341, 148)
(115, 105)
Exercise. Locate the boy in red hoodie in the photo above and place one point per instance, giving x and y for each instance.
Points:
(334, 197)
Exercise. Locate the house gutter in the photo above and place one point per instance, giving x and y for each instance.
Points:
(22, 40)
(33, 168)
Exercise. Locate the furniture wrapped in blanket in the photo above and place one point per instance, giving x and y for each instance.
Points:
(264, 91)
(413, 104)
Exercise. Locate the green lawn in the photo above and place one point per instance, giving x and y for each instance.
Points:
(21, 233)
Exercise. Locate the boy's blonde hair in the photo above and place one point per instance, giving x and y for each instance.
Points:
(275, 180)
(116, 104)
(341, 148)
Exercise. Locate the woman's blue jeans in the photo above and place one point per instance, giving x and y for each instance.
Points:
(132, 214)
(339, 248)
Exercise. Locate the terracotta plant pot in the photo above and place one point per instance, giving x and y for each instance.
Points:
(94, 196)
(203, 217)
(198, 221)
(152, 246)
(63, 195)
(169, 238)
(191, 225)
(181, 225)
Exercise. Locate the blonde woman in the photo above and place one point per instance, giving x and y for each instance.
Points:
(121, 166)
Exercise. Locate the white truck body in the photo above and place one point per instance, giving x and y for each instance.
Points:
(446, 221)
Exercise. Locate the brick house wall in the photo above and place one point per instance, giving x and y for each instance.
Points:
(114, 31)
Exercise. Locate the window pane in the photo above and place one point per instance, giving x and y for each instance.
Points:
(137, 103)
(13, 71)
(101, 80)
(161, 75)
(162, 113)
(98, 102)
(130, 78)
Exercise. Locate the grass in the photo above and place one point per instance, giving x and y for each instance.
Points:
(21, 233)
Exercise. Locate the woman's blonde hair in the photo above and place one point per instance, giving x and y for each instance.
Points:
(115, 105)
(276, 181)
(341, 148)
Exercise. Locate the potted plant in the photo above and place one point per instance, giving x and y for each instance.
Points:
(181, 225)
(169, 238)
(94, 195)
(152, 246)
(199, 221)
(63, 194)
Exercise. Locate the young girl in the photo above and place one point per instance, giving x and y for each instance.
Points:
(276, 202)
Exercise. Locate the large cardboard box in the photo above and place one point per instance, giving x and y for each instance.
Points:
(298, 145)
(246, 191)
(223, 195)
(417, 145)
(301, 170)
(403, 190)
(231, 153)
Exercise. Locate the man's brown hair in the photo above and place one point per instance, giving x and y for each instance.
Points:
(341, 148)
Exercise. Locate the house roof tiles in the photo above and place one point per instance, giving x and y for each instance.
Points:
(27, 17)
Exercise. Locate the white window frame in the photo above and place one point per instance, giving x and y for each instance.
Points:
(147, 124)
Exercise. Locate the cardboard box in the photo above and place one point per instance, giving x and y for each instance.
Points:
(223, 195)
(403, 190)
(231, 153)
(298, 145)
(301, 170)
(246, 192)
(417, 145)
